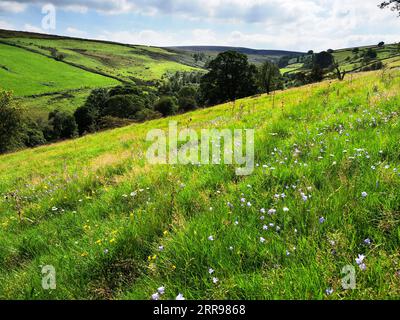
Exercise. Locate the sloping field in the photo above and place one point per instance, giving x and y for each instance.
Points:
(352, 61)
(128, 63)
(116, 227)
(28, 73)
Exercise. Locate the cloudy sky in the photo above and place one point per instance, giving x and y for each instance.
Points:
(264, 24)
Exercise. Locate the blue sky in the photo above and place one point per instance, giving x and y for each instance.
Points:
(264, 24)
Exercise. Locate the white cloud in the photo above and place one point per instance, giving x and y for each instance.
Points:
(12, 6)
(71, 31)
(6, 25)
(31, 28)
(145, 37)
(276, 24)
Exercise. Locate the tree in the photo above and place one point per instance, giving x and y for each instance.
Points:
(311, 52)
(324, 59)
(63, 125)
(33, 134)
(230, 77)
(187, 98)
(123, 106)
(88, 115)
(166, 106)
(11, 123)
(356, 50)
(381, 44)
(370, 54)
(317, 74)
(269, 77)
(394, 5)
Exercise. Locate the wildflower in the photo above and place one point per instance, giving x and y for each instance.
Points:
(363, 266)
(271, 212)
(211, 271)
(262, 240)
(243, 200)
(367, 241)
(287, 253)
(215, 280)
(263, 211)
(231, 248)
(211, 209)
(155, 296)
(265, 227)
(364, 194)
(180, 297)
(236, 223)
(160, 248)
(278, 228)
(285, 209)
(105, 251)
(211, 238)
(360, 259)
(322, 220)
(262, 218)
(161, 290)
(329, 291)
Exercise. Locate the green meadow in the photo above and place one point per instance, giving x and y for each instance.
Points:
(125, 62)
(27, 73)
(351, 61)
(323, 192)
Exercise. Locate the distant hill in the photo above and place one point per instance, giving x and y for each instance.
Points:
(243, 50)
(255, 55)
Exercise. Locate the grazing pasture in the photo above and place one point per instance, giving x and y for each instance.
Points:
(324, 195)
(27, 73)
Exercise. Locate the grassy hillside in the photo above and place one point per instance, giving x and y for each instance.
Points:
(124, 62)
(348, 60)
(27, 73)
(254, 55)
(98, 212)
(28, 67)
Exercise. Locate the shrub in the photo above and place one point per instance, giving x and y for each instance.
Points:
(109, 122)
(123, 106)
(166, 106)
(11, 123)
(187, 98)
(62, 125)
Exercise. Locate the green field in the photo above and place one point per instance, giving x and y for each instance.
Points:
(28, 68)
(124, 62)
(348, 60)
(27, 73)
(98, 212)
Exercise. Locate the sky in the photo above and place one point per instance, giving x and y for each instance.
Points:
(298, 25)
